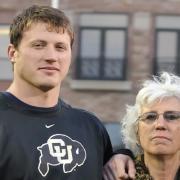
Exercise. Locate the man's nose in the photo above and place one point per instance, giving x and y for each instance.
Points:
(50, 54)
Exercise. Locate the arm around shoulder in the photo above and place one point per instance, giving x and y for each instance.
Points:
(120, 166)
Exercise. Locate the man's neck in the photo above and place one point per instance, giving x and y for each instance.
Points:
(162, 167)
(36, 97)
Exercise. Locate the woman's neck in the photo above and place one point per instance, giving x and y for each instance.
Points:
(162, 167)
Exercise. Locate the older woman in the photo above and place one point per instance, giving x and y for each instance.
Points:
(151, 129)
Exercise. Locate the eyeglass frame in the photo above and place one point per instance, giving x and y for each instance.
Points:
(165, 113)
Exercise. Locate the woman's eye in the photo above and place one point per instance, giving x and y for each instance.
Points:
(151, 117)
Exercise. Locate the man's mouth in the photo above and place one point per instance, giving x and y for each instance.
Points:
(49, 68)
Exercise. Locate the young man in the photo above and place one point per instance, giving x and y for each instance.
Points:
(41, 137)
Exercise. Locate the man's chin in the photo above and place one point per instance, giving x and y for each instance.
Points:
(46, 87)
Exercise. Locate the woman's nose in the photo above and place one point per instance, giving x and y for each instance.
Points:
(160, 122)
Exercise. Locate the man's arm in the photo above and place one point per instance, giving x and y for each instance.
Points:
(120, 166)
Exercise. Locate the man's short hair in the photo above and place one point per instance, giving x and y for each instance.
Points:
(54, 18)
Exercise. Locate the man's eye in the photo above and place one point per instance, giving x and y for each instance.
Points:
(38, 45)
(60, 47)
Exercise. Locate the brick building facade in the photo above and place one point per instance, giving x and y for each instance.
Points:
(118, 44)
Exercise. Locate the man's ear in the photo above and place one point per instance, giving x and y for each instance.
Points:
(12, 53)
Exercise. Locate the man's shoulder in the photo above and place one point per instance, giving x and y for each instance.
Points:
(1, 95)
(3, 102)
(77, 110)
(80, 112)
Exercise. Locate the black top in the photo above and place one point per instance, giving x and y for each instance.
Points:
(58, 143)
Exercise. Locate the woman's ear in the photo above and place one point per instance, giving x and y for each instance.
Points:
(12, 53)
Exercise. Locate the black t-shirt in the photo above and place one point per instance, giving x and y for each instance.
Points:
(58, 143)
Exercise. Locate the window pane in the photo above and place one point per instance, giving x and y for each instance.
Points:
(114, 53)
(113, 69)
(167, 43)
(90, 68)
(90, 43)
(170, 22)
(5, 65)
(4, 40)
(90, 52)
(115, 42)
(167, 51)
(104, 20)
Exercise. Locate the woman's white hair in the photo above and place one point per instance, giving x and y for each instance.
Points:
(160, 87)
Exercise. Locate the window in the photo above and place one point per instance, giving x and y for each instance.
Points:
(167, 44)
(5, 65)
(102, 47)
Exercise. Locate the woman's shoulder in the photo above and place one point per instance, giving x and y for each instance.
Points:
(142, 172)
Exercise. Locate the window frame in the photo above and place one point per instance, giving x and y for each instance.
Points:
(167, 23)
(102, 59)
(177, 59)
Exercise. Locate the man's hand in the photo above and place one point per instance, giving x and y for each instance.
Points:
(119, 167)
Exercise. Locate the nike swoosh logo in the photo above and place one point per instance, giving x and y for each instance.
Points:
(49, 126)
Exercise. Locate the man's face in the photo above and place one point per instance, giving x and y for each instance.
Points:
(161, 136)
(43, 57)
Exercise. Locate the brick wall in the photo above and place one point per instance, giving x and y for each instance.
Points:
(109, 105)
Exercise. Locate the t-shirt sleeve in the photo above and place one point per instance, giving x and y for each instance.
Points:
(108, 151)
(125, 152)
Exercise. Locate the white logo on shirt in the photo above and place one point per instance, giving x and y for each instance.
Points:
(49, 126)
(61, 149)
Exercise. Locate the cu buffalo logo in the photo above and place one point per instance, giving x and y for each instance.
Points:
(61, 150)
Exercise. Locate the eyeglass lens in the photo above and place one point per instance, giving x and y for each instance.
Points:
(167, 115)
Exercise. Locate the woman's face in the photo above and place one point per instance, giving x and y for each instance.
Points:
(160, 136)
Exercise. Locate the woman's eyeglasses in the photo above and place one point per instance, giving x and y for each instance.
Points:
(167, 115)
